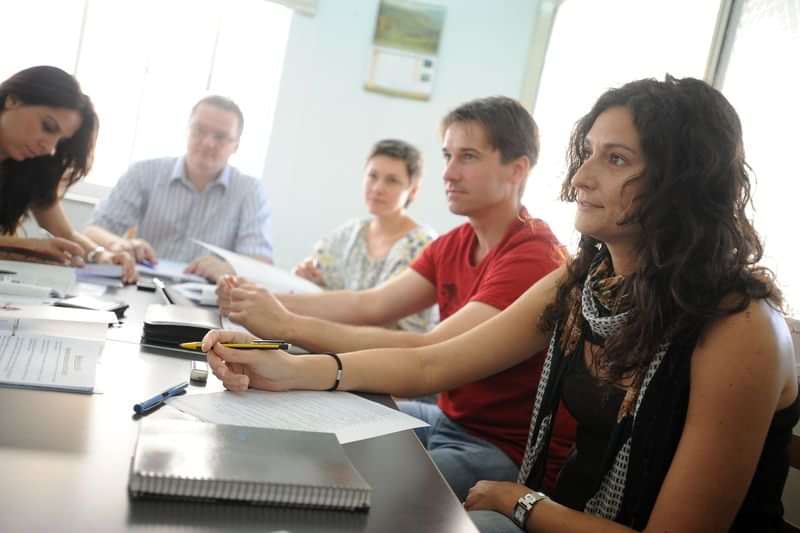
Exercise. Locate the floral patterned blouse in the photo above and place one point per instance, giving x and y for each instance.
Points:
(345, 264)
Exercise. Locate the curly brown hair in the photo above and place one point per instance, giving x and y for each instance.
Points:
(697, 253)
(35, 182)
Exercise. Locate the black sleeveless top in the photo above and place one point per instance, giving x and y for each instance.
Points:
(595, 406)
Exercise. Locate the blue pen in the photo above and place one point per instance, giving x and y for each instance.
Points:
(159, 398)
(148, 264)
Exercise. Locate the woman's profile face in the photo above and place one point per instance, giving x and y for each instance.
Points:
(387, 185)
(28, 131)
(605, 185)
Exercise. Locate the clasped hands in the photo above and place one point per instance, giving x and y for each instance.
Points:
(253, 306)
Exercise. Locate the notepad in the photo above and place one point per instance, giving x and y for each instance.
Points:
(185, 459)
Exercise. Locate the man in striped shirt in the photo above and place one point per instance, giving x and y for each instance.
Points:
(173, 200)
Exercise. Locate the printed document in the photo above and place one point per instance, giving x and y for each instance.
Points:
(273, 278)
(53, 363)
(350, 417)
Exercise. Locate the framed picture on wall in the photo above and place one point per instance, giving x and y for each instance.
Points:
(405, 48)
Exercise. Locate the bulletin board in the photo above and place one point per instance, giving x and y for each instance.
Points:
(405, 49)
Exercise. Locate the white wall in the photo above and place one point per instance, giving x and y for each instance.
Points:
(326, 122)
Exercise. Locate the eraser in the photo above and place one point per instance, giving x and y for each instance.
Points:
(199, 371)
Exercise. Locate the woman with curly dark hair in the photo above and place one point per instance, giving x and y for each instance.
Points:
(48, 129)
(666, 339)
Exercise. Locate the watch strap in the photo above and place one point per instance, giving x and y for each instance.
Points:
(524, 506)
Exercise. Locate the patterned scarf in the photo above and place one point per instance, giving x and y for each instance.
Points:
(606, 308)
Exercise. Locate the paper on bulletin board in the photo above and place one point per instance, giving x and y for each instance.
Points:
(405, 48)
(401, 73)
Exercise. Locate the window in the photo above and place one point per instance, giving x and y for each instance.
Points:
(595, 46)
(145, 63)
(759, 78)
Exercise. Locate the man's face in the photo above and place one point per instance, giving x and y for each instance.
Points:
(475, 178)
(213, 138)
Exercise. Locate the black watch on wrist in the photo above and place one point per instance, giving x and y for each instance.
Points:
(524, 506)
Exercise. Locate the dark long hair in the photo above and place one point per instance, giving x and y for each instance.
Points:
(35, 182)
(698, 253)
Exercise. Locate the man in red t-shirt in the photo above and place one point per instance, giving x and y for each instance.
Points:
(478, 431)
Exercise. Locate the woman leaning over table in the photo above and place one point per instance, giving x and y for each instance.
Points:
(48, 129)
(665, 338)
(363, 253)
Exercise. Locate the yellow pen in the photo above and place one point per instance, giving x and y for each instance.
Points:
(260, 344)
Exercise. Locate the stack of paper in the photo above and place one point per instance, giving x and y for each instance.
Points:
(271, 277)
(169, 270)
(199, 293)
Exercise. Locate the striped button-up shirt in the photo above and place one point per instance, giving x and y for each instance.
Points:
(232, 212)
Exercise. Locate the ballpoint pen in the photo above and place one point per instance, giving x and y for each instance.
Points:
(162, 290)
(260, 344)
(159, 398)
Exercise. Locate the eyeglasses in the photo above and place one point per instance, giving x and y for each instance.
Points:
(199, 132)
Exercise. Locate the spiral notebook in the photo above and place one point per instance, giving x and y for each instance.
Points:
(185, 459)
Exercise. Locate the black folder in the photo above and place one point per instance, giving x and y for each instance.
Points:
(169, 325)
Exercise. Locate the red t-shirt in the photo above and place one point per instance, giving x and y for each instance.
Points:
(497, 408)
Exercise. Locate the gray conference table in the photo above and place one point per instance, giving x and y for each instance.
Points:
(64, 460)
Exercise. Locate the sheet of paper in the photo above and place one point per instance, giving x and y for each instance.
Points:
(54, 363)
(199, 293)
(349, 416)
(13, 299)
(271, 277)
(171, 270)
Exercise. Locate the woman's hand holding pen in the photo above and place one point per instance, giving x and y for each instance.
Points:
(240, 369)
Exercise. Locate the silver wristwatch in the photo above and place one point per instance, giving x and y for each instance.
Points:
(91, 257)
(523, 507)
